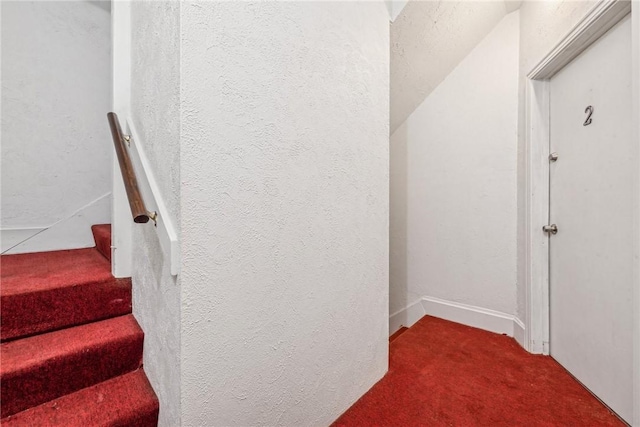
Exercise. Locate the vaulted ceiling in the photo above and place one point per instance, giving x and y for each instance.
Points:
(429, 39)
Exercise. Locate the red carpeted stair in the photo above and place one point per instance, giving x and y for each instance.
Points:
(446, 374)
(51, 290)
(71, 351)
(124, 401)
(38, 369)
(102, 237)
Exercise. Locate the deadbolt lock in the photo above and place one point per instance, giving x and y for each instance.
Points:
(551, 229)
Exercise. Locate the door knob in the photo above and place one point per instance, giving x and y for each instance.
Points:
(552, 229)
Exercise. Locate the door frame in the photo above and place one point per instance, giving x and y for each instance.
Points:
(602, 17)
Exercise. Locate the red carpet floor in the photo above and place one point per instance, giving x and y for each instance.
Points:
(446, 374)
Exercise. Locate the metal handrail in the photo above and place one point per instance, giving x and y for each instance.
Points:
(138, 209)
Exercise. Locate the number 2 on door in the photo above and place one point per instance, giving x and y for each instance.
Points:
(589, 111)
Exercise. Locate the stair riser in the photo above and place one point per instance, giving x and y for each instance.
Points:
(102, 237)
(38, 312)
(52, 378)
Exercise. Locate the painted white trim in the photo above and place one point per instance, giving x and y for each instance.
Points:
(519, 331)
(153, 199)
(406, 317)
(121, 222)
(537, 215)
(477, 317)
(600, 19)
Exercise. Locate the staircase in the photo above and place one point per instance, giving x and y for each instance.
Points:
(71, 351)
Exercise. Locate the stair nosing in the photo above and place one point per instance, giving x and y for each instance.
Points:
(72, 330)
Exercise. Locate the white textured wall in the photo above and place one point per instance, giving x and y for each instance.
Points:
(155, 110)
(428, 40)
(284, 169)
(56, 146)
(543, 25)
(453, 183)
(635, 96)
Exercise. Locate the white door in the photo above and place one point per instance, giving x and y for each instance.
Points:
(591, 311)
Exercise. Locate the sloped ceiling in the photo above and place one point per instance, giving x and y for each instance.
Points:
(102, 4)
(428, 40)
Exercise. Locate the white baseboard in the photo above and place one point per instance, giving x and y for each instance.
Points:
(477, 317)
(73, 232)
(518, 332)
(406, 317)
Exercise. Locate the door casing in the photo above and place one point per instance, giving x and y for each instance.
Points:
(602, 17)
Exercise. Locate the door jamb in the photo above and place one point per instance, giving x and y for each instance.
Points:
(602, 17)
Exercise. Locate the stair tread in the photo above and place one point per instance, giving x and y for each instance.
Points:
(43, 367)
(35, 272)
(21, 354)
(127, 400)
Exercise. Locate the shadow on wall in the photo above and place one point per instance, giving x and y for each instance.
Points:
(399, 297)
(102, 4)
